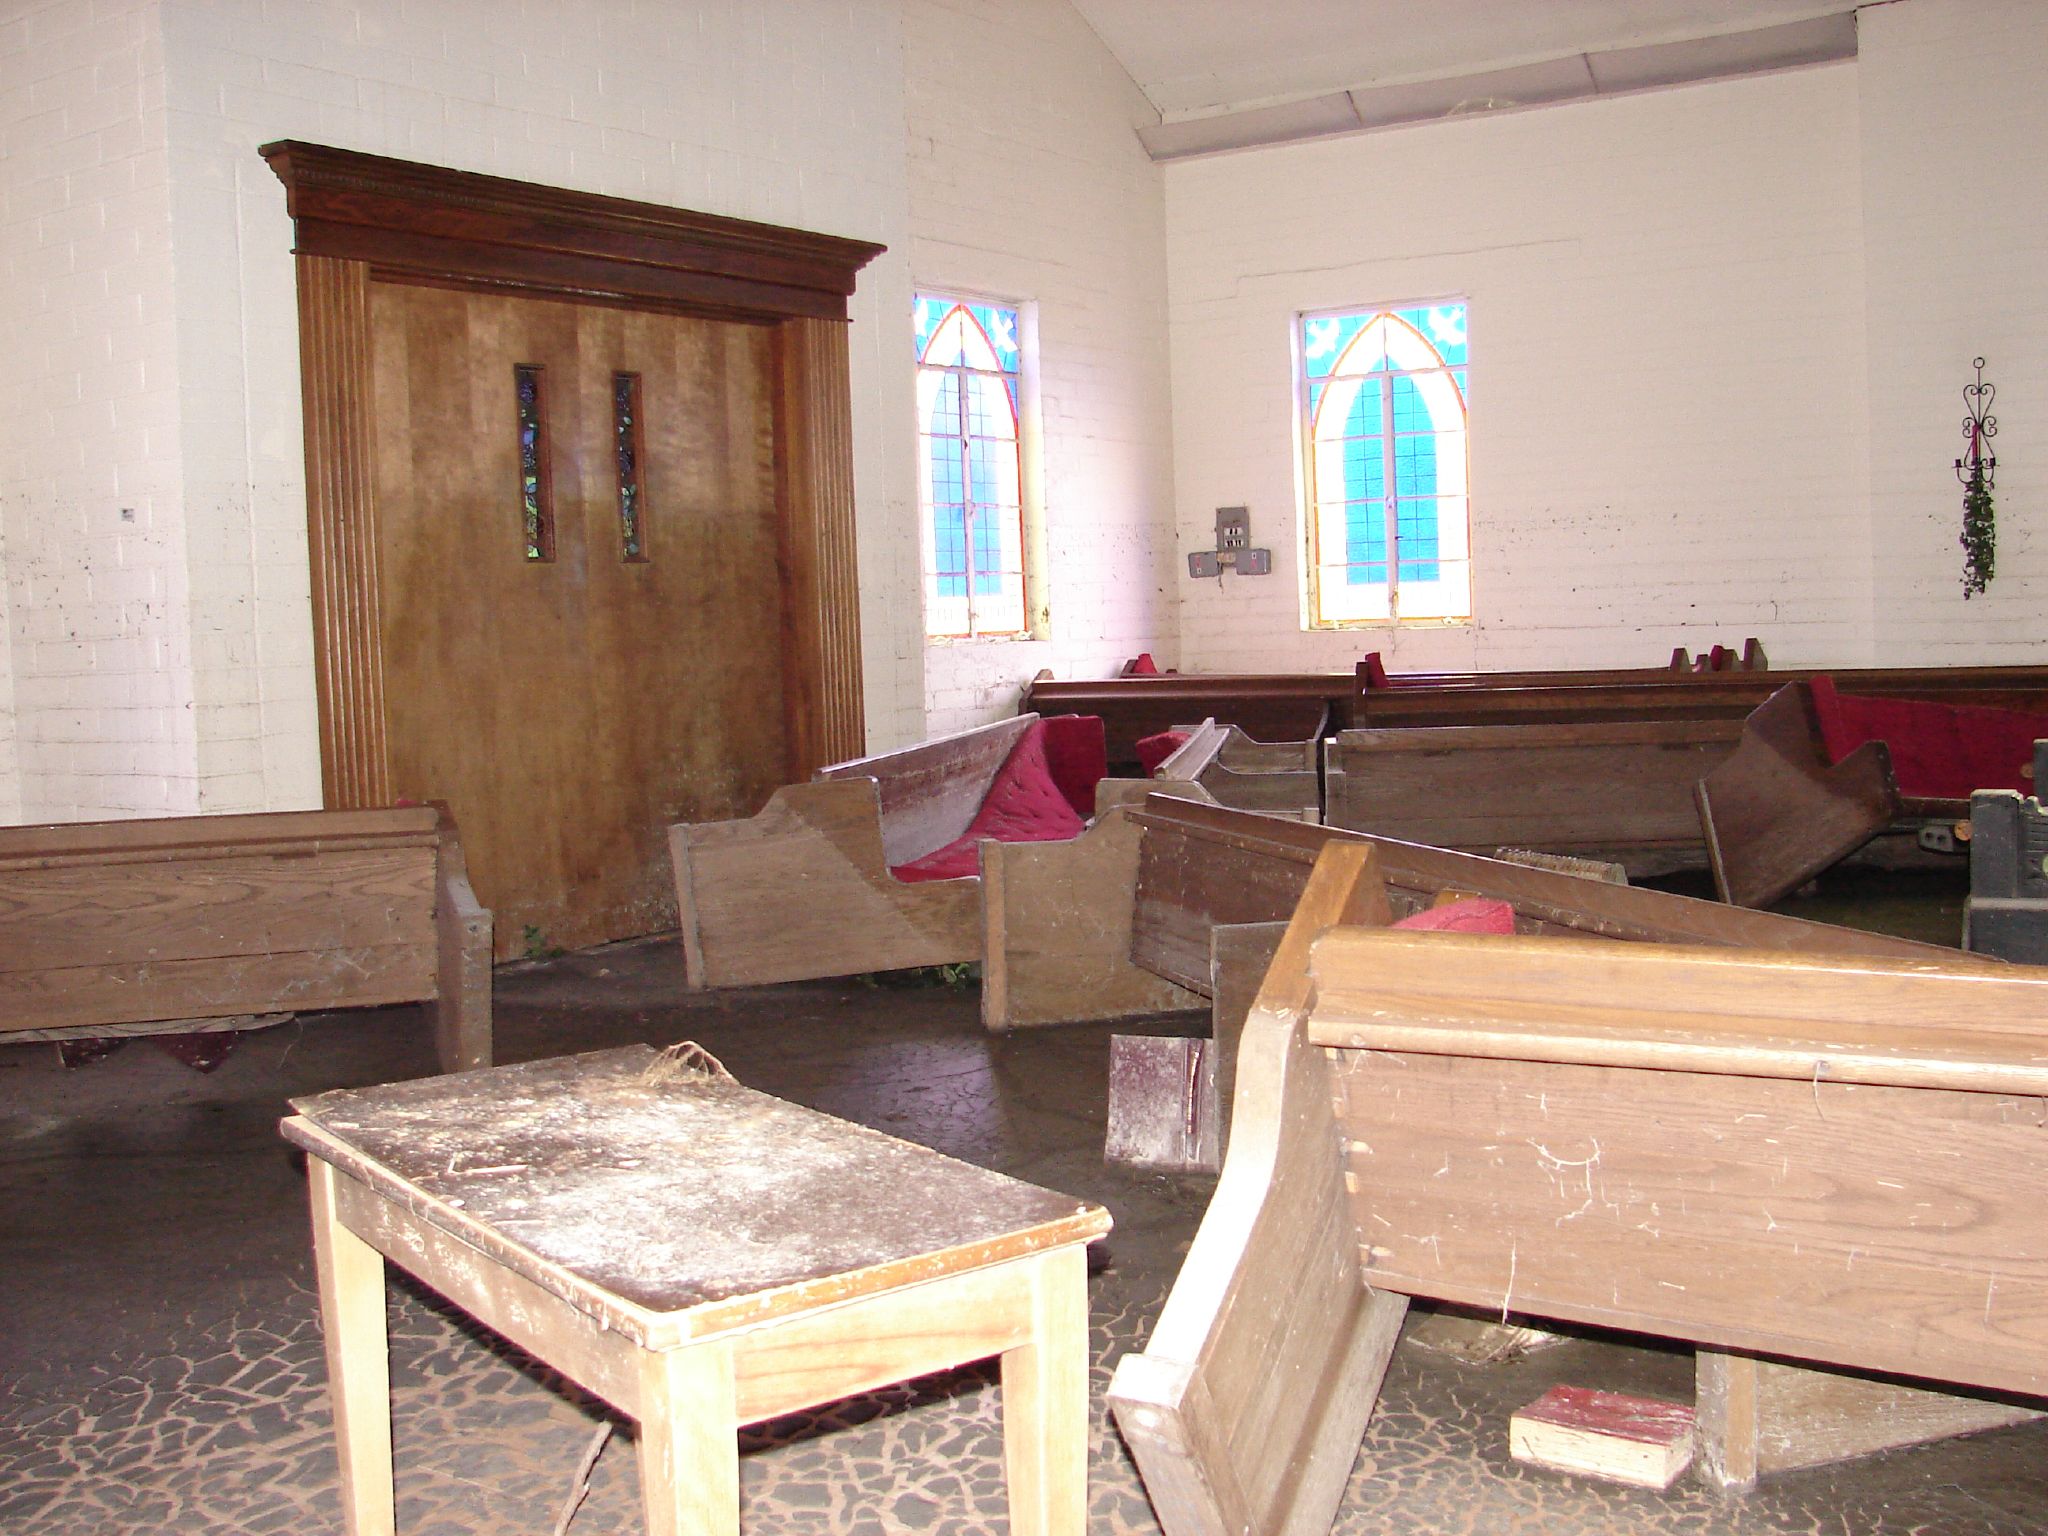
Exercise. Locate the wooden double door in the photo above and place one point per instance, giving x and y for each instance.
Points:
(572, 688)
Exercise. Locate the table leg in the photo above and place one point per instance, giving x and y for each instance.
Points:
(689, 1441)
(1045, 1402)
(358, 1360)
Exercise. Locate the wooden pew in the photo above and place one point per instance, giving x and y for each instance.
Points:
(1734, 1148)
(1270, 707)
(1117, 922)
(1713, 695)
(1775, 812)
(1281, 778)
(160, 926)
(804, 887)
(1620, 790)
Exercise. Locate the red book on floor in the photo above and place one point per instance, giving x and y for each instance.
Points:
(1638, 1440)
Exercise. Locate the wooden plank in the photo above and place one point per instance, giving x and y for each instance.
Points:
(462, 973)
(1759, 1417)
(1969, 1024)
(1240, 956)
(1891, 1228)
(140, 991)
(929, 792)
(1057, 931)
(1776, 813)
(1262, 862)
(1162, 1096)
(738, 882)
(1245, 1409)
(1621, 789)
(174, 909)
(261, 833)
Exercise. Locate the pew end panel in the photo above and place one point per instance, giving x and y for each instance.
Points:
(1776, 812)
(802, 889)
(1056, 931)
(1245, 1409)
(463, 934)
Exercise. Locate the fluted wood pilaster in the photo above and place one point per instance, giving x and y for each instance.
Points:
(334, 365)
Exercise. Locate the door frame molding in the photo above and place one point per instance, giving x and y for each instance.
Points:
(359, 219)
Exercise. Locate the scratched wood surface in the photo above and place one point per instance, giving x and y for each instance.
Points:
(674, 1193)
(1895, 1229)
(199, 917)
(1614, 789)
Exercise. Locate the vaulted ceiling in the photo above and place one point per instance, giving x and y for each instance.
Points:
(1224, 73)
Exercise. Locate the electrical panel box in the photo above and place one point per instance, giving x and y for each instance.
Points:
(1233, 528)
(1233, 551)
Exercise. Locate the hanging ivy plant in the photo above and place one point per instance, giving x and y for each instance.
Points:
(1980, 532)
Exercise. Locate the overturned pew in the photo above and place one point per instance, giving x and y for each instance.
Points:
(875, 864)
(1796, 1156)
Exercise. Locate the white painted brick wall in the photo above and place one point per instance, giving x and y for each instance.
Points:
(1027, 182)
(1955, 159)
(1667, 387)
(98, 686)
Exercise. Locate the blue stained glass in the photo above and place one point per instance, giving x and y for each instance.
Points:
(1411, 412)
(981, 486)
(949, 526)
(970, 438)
(1444, 325)
(1415, 466)
(1365, 473)
(1363, 420)
(1416, 521)
(1365, 542)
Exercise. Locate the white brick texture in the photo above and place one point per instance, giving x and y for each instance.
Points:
(1955, 191)
(1027, 182)
(1667, 377)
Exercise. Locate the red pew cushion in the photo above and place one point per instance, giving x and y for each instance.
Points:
(1157, 748)
(1469, 914)
(1024, 804)
(1077, 756)
(1944, 750)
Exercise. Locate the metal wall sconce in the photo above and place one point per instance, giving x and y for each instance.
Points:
(1976, 469)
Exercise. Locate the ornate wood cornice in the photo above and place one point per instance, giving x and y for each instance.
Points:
(404, 219)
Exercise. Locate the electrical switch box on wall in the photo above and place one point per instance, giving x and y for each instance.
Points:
(1233, 549)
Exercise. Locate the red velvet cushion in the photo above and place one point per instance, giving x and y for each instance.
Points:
(1469, 914)
(1947, 750)
(1023, 805)
(1376, 671)
(1077, 758)
(1141, 665)
(1154, 750)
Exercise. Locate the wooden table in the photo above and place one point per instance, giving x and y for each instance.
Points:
(702, 1256)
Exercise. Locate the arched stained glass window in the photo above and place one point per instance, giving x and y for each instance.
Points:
(1383, 396)
(970, 482)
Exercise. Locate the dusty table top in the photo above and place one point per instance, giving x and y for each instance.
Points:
(673, 1191)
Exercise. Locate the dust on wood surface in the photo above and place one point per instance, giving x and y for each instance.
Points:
(678, 1191)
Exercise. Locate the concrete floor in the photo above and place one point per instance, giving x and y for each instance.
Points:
(161, 1368)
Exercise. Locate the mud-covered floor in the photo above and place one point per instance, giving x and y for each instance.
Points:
(161, 1368)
